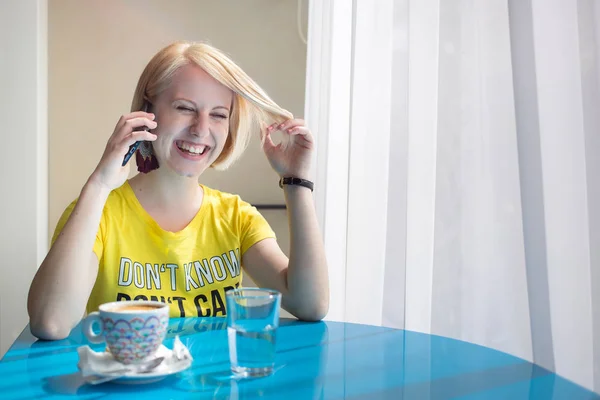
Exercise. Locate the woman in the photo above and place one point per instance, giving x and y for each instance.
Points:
(161, 235)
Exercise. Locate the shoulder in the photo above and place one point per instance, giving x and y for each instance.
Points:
(238, 215)
(225, 204)
(118, 205)
(114, 205)
(119, 196)
(218, 198)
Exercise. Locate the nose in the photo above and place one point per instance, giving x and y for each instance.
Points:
(200, 126)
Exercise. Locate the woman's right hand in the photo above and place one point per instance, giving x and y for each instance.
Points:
(110, 173)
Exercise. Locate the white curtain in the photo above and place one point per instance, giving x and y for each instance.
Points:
(458, 170)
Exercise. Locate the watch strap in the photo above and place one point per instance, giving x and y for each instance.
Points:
(296, 181)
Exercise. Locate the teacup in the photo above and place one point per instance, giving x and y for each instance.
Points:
(133, 330)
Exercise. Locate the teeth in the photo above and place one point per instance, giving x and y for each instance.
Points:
(192, 149)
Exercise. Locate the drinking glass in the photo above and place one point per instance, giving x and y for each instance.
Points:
(252, 321)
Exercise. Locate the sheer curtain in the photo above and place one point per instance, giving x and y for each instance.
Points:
(457, 165)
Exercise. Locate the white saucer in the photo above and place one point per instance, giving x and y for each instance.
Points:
(103, 365)
(159, 373)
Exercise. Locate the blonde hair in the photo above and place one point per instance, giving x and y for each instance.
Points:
(251, 109)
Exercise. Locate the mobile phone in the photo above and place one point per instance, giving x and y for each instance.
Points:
(135, 146)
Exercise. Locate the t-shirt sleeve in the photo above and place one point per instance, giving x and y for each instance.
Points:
(254, 227)
(98, 244)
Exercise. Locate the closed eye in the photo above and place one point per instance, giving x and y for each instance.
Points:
(220, 116)
(183, 108)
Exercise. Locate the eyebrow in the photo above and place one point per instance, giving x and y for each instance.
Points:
(196, 105)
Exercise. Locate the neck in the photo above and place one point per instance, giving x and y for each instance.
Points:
(166, 190)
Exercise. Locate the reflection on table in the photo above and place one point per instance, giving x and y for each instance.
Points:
(325, 360)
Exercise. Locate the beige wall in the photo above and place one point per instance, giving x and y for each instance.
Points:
(97, 50)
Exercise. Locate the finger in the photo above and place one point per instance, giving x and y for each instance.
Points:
(305, 138)
(298, 130)
(266, 132)
(136, 114)
(289, 123)
(118, 148)
(137, 123)
(138, 136)
(143, 135)
(295, 128)
(267, 141)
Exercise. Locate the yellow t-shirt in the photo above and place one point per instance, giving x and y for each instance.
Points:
(190, 269)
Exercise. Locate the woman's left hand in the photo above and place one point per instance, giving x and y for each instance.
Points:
(294, 159)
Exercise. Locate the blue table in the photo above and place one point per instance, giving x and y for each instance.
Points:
(325, 360)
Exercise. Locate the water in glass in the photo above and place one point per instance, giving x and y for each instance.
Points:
(252, 321)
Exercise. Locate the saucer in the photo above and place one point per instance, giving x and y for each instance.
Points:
(157, 374)
(103, 365)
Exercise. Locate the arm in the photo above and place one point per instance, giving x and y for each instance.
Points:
(303, 279)
(62, 285)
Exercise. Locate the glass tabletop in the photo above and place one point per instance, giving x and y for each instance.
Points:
(323, 360)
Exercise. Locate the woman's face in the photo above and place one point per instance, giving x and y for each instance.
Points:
(193, 121)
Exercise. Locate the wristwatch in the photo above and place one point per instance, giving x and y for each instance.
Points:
(296, 181)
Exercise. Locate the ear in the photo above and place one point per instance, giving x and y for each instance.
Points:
(147, 106)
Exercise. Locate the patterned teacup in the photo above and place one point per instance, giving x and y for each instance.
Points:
(133, 330)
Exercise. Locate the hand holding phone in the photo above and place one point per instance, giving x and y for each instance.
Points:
(130, 129)
(133, 148)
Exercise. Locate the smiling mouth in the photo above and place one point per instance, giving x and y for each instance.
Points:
(192, 149)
